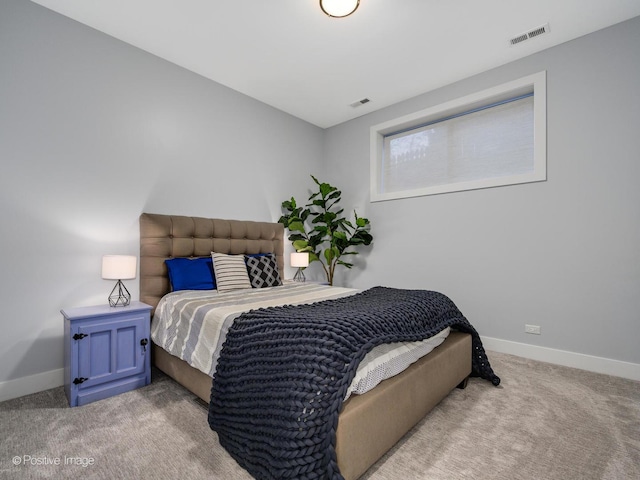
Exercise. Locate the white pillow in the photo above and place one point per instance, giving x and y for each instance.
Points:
(231, 272)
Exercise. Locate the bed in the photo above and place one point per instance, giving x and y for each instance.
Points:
(369, 424)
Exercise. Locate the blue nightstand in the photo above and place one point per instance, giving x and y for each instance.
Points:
(107, 351)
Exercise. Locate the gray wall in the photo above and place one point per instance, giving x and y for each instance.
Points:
(92, 133)
(563, 254)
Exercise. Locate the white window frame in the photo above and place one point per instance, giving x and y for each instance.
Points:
(535, 83)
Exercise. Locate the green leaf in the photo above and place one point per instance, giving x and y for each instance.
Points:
(296, 236)
(329, 217)
(296, 226)
(340, 235)
(329, 254)
(289, 204)
(346, 264)
(361, 237)
(300, 245)
(326, 189)
(347, 224)
(315, 240)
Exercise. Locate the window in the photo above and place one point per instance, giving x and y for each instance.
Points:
(492, 138)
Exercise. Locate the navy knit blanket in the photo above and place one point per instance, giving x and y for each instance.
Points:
(283, 373)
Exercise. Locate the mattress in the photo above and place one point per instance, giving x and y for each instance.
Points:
(192, 325)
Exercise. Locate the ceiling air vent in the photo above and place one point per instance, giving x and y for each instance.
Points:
(359, 102)
(536, 32)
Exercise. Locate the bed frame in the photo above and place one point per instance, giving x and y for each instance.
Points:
(370, 424)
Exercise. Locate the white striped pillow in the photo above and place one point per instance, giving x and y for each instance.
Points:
(231, 272)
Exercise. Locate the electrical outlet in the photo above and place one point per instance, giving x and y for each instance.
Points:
(535, 329)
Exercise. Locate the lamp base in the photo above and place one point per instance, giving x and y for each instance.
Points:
(120, 296)
(299, 276)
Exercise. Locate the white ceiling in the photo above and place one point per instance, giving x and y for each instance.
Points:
(288, 54)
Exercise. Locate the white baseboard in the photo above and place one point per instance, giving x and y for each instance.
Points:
(31, 384)
(55, 378)
(607, 366)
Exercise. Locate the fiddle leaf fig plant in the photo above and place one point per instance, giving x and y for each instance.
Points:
(319, 228)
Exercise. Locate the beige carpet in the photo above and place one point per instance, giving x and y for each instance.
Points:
(543, 422)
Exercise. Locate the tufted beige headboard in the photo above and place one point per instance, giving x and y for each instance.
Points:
(170, 236)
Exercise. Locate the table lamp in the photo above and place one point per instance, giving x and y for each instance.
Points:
(119, 267)
(300, 260)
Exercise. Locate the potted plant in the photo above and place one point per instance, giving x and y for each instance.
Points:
(320, 229)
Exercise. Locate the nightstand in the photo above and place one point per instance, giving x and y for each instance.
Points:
(106, 351)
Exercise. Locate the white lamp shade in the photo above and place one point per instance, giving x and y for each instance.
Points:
(119, 267)
(339, 8)
(300, 259)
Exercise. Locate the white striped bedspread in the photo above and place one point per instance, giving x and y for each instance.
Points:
(192, 325)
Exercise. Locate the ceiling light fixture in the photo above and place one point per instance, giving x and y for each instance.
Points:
(339, 8)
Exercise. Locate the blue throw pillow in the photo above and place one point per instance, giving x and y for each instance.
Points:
(191, 273)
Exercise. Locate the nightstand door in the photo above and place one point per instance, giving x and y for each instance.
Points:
(111, 349)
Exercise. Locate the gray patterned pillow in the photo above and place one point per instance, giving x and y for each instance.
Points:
(231, 272)
(263, 270)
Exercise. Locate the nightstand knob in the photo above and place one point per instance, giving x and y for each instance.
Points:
(79, 380)
(79, 336)
(144, 343)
